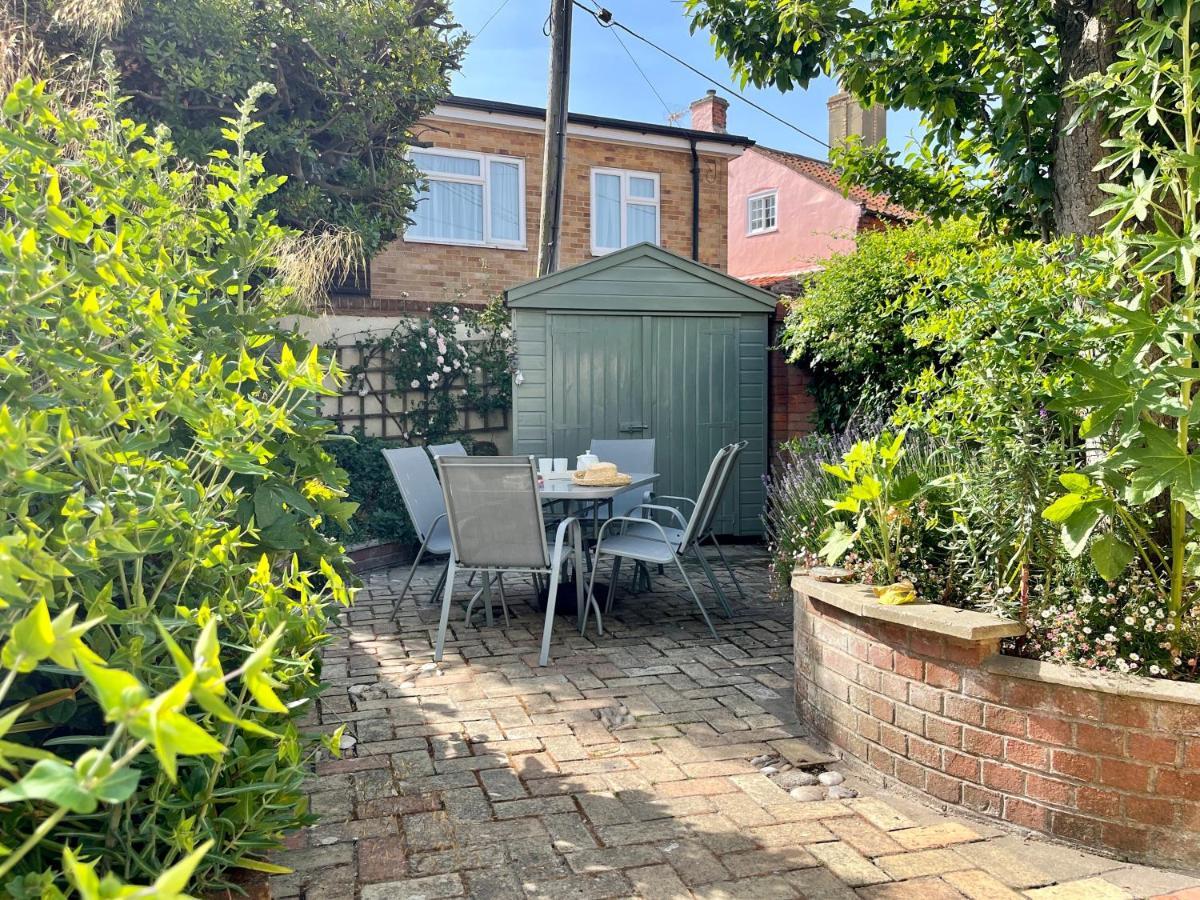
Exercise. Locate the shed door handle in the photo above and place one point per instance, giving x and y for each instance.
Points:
(630, 427)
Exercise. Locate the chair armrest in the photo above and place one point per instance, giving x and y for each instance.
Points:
(680, 499)
(624, 519)
(667, 509)
(570, 523)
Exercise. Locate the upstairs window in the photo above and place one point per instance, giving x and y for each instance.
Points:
(469, 198)
(761, 212)
(624, 209)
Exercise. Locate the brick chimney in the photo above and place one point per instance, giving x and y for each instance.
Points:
(847, 117)
(708, 113)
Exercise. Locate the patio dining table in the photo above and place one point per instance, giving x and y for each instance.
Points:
(566, 490)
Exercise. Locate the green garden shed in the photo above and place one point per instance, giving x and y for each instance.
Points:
(646, 343)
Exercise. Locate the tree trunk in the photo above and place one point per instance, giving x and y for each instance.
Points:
(1087, 45)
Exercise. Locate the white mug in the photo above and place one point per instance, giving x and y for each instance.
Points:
(545, 466)
(560, 464)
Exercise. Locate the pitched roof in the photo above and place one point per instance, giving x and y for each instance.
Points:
(823, 173)
(734, 291)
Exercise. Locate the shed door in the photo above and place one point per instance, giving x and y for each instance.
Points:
(692, 393)
(672, 378)
(596, 381)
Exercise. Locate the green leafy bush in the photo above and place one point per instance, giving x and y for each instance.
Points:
(456, 363)
(849, 324)
(164, 582)
(353, 80)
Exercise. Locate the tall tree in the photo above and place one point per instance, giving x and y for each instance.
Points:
(351, 77)
(992, 79)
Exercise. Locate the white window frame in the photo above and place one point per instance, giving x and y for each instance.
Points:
(485, 160)
(761, 195)
(626, 200)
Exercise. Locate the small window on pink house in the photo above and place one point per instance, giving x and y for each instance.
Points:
(762, 212)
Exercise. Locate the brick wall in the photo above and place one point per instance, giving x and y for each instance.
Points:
(409, 276)
(792, 407)
(1113, 771)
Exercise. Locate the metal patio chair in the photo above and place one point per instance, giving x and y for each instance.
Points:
(651, 543)
(454, 448)
(422, 496)
(630, 455)
(707, 535)
(495, 519)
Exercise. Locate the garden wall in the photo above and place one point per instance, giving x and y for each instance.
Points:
(921, 694)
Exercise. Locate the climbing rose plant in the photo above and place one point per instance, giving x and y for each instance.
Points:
(164, 585)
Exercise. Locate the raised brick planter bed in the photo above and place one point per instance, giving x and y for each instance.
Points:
(379, 555)
(921, 694)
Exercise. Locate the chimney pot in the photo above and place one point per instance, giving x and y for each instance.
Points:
(709, 112)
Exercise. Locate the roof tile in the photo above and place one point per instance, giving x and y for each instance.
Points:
(823, 173)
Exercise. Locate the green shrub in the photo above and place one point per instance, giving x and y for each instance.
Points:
(164, 582)
(849, 324)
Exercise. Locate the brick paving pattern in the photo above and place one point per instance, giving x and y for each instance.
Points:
(621, 770)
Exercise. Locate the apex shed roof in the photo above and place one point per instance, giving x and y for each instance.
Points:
(641, 278)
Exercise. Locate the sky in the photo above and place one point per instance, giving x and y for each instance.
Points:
(509, 58)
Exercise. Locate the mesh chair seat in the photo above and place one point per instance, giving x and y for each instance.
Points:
(439, 539)
(643, 549)
(648, 531)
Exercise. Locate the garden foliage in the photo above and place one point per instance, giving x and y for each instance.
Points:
(352, 79)
(1056, 383)
(164, 582)
(442, 371)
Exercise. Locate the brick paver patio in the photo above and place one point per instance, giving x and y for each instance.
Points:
(622, 770)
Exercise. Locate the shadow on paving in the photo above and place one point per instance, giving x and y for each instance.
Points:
(620, 770)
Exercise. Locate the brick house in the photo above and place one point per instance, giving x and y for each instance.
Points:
(475, 228)
(474, 231)
(788, 213)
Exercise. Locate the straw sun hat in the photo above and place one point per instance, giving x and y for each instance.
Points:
(601, 475)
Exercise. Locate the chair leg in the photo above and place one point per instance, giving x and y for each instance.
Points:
(612, 584)
(696, 597)
(407, 581)
(712, 579)
(486, 582)
(728, 568)
(445, 619)
(440, 583)
(582, 604)
(548, 628)
(591, 595)
(503, 598)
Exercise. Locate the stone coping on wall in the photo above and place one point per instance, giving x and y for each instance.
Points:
(921, 694)
(948, 621)
(1136, 686)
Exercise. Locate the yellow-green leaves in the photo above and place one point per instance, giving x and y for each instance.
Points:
(255, 678)
(144, 424)
(32, 639)
(170, 885)
(898, 594)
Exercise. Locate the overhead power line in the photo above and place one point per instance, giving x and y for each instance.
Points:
(650, 84)
(605, 19)
(499, 9)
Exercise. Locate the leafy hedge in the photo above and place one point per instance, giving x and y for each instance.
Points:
(849, 324)
(164, 582)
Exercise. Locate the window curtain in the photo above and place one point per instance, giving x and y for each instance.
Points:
(641, 223)
(449, 210)
(606, 212)
(505, 184)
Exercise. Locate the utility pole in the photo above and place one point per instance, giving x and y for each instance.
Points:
(554, 156)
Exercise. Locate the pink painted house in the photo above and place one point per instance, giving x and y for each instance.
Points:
(788, 213)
